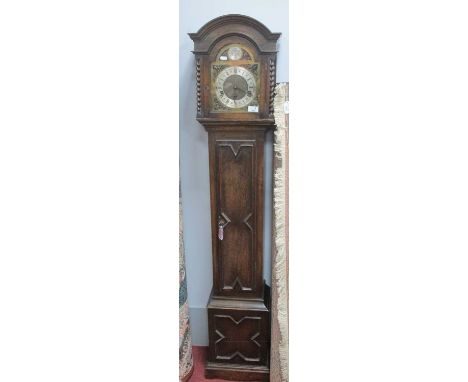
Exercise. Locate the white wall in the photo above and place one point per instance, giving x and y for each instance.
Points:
(193, 145)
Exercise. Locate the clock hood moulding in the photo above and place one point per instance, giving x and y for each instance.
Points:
(234, 25)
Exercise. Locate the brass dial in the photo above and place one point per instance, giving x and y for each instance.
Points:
(235, 87)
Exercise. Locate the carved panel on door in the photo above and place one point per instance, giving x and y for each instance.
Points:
(236, 214)
(238, 339)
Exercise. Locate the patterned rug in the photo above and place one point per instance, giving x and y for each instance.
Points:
(185, 336)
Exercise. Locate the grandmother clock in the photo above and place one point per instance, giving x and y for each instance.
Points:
(236, 74)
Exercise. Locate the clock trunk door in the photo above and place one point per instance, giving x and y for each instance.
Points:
(237, 164)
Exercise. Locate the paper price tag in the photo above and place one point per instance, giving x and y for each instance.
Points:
(253, 109)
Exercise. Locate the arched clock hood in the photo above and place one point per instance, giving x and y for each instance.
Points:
(234, 25)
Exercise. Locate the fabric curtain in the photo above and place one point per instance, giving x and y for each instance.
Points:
(279, 365)
(185, 336)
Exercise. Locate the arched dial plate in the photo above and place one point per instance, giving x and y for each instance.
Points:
(235, 87)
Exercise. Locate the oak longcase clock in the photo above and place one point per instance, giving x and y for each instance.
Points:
(235, 59)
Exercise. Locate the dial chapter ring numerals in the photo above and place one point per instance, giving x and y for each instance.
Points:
(223, 82)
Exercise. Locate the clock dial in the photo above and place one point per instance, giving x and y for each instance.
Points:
(235, 87)
(235, 53)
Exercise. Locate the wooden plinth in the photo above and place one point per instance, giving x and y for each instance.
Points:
(239, 339)
(233, 372)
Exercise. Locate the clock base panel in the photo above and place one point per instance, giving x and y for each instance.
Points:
(239, 339)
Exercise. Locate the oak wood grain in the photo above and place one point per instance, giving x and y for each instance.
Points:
(238, 310)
